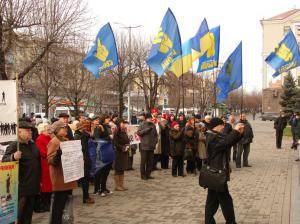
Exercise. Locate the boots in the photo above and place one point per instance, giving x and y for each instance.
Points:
(122, 183)
(117, 183)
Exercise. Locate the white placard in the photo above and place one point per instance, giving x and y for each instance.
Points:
(72, 160)
(8, 111)
(132, 134)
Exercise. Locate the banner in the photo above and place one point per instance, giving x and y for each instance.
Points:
(9, 173)
(72, 160)
(132, 134)
(8, 111)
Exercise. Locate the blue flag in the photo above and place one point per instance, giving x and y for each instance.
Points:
(210, 60)
(231, 74)
(198, 43)
(286, 55)
(166, 45)
(103, 55)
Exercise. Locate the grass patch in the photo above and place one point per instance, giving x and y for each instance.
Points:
(287, 132)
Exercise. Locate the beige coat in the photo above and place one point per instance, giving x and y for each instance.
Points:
(56, 171)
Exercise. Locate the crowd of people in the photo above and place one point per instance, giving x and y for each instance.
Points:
(187, 142)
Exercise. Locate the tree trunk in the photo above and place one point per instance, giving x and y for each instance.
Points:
(46, 101)
(3, 74)
(121, 104)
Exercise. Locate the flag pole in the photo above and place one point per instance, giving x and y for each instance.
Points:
(182, 86)
(215, 91)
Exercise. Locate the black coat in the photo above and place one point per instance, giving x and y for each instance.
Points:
(149, 138)
(70, 133)
(176, 143)
(248, 133)
(218, 146)
(280, 123)
(84, 138)
(227, 129)
(120, 141)
(165, 138)
(29, 167)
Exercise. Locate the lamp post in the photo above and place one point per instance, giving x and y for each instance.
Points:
(129, 28)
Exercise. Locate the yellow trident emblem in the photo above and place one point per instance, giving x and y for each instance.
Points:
(102, 52)
(284, 52)
(166, 43)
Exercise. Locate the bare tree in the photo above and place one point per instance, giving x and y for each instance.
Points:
(146, 80)
(45, 78)
(124, 73)
(35, 26)
(76, 83)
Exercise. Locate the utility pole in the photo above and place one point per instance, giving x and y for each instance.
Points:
(129, 28)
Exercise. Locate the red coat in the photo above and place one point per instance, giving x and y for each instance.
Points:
(42, 143)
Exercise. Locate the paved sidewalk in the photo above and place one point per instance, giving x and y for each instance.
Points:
(261, 194)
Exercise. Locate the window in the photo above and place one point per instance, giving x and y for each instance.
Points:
(298, 30)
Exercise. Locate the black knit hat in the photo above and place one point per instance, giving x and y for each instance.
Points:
(215, 121)
(24, 125)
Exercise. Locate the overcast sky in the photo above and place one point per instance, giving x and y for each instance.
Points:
(239, 20)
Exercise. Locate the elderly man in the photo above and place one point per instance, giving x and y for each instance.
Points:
(244, 143)
(63, 117)
(149, 138)
(28, 156)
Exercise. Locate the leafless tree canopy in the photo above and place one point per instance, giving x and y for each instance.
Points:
(35, 26)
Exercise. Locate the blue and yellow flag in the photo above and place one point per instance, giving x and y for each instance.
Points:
(103, 55)
(166, 45)
(286, 55)
(231, 74)
(201, 42)
(183, 63)
(210, 59)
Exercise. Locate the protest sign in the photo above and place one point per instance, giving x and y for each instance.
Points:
(72, 160)
(132, 134)
(9, 173)
(8, 111)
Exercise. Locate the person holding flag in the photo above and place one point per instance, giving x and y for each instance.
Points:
(231, 74)
(166, 45)
(103, 55)
(286, 55)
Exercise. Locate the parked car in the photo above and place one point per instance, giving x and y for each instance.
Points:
(269, 116)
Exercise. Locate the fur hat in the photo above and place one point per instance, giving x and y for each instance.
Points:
(215, 122)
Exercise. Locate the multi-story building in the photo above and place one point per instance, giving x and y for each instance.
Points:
(274, 29)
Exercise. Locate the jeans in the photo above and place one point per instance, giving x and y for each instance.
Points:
(224, 199)
(164, 160)
(25, 210)
(177, 166)
(147, 157)
(59, 200)
(245, 150)
(101, 178)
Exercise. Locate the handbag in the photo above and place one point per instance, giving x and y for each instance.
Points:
(212, 178)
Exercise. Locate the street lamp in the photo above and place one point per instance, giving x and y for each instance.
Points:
(129, 28)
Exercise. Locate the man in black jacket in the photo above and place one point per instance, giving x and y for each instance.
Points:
(149, 138)
(244, 143)
(218, 146)
(279, 125)
(29, 170)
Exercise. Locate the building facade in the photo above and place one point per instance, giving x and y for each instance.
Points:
(274, 30)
